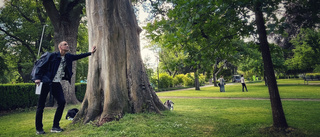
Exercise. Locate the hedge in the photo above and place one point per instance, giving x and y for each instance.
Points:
(80, 90)
(13, 96)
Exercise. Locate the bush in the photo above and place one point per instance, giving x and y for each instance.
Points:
(188, 80)
(165, 80)
(80, 90)
(15, 96)
(154, 81)
(202, 79)
(23, 95)
(178, 80)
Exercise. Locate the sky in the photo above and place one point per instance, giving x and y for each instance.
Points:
(145, 53)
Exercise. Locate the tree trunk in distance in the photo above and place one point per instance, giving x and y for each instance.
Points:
(117, 81)
(215, 74)
(196, 79)
(279, 120)
(65, 22)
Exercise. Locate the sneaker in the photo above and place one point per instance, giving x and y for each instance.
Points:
(56, 130)
(40, 132)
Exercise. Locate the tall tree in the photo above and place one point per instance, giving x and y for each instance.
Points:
(279, 120)
(198, 28)
(117, 80)
(65, 21)
(298, 14)
(306, 53)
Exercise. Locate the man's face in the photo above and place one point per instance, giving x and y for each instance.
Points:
(64, 46)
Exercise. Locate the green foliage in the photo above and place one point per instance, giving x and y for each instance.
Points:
(21, 28)
(15, 96)
(188, 80)
(165, 80)
(251, 62)
(202, 79)
(82, 46)
(194, 28)
(178, 80)
(306, 52)
(80, 90)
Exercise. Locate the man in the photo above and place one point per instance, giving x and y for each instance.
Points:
(57, 66)
(243, 84)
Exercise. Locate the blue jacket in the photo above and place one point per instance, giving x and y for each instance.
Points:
(48, 69)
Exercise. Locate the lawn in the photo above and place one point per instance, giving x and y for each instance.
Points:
(191, 116)
(287, 89)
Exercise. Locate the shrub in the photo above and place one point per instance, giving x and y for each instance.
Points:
(23, 95)
(202, 79)
(80, 90)
(14, 96)
(178, 80)
(165, 80)
(154, 81)
(188, 80)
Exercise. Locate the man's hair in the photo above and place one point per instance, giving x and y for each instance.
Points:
(241, 75)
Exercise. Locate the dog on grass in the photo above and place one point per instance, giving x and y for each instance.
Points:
(168, 104)
(72, 113)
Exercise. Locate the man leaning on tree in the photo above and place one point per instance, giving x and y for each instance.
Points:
(57, 66)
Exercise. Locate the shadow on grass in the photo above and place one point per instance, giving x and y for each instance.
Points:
(282, 132)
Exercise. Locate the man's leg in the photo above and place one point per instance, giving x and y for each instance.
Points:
(242, 87)
(57, 93)
(41, 104)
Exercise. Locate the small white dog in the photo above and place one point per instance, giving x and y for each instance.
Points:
(169, 104)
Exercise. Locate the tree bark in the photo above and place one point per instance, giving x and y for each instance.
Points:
(279, 120)
(216, 74)
(117, 80)
(66, 22)
(196, 79)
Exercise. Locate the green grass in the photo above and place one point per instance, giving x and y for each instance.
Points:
(191, 116)
(256, 90)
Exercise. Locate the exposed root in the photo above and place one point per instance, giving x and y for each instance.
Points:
(109, 119)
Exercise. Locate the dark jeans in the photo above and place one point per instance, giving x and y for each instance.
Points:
(57, 93)
(244, 85)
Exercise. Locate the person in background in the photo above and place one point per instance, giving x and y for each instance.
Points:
(243, 83)
(222, 83)
(56, 67)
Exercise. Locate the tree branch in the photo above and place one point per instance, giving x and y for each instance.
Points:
(52, 12)
(22, 42)
(21, 13)
(42, 20)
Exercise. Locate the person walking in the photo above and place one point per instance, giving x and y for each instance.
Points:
(243, 84)
(221, 84)
(56, 66)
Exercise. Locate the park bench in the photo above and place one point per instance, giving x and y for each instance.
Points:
(311, 78)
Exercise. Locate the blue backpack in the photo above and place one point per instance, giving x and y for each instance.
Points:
(38, 64)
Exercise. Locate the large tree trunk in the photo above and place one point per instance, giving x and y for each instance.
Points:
(65, 22)
(117, 80)
(279, 120)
